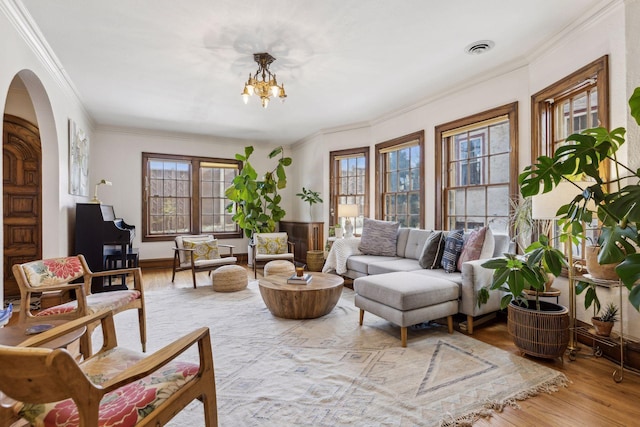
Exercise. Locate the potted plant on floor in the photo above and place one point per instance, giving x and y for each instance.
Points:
(615, 196)
(604, 323)
(255, 203)
(538, 328)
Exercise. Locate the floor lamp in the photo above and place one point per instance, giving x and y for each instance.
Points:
(544, 207)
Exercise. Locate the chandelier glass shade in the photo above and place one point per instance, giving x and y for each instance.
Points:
(263, 83)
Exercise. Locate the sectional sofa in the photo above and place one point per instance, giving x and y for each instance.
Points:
(345, 258)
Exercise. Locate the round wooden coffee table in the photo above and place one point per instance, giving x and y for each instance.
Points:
(301, 301)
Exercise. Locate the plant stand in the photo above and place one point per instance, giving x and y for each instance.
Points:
(618, 374)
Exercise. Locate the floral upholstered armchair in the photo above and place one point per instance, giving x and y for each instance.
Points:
(114, 387)
(270, 247)
(59, 274)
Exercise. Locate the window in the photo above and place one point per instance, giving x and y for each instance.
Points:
(185, 195)
(349, 183)
(400, 180)
(571, 105)
(477, 162)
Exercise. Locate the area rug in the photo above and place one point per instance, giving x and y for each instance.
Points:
(331, 371)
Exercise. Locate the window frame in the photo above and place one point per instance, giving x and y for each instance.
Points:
(380, 151)
(195, 211)
(543, 103)
(509, 110)
(334, 181)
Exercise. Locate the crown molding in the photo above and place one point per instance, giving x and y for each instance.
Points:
(26, 27)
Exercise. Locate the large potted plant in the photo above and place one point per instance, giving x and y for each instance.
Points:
(616, 197)
(254, 200)
(538, 328)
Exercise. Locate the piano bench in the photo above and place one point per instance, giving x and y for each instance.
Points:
(113, 261)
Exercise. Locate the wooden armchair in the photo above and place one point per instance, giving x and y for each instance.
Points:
(57, 274)
(116, 386)
(199, 253)
(270, 247)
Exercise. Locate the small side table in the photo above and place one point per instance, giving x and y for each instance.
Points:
(14, 334)
(551, 293)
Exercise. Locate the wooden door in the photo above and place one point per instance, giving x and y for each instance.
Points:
(22, 196)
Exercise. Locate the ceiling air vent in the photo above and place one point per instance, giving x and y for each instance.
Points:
(479, 47)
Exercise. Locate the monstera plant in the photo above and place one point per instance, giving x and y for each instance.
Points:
(256, 201)
(616, 197)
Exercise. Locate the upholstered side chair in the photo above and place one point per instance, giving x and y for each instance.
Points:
(269, 247)
(60, 274)
(199, 253)
(114, 387)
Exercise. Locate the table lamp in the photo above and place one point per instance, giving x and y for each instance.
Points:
(95, 194)
(348, 212)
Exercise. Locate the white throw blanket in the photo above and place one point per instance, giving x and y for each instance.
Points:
(340, 251)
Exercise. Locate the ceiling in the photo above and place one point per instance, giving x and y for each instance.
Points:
(180, 66)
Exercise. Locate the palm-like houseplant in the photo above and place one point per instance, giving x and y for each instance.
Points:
(617, 198)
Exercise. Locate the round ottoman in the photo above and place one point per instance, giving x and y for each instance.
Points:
(279, 267)
(229, 278)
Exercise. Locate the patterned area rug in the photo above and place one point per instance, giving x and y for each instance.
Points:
(332, 372)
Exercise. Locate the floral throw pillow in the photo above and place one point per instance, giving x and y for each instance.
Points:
(203, 249)
(272, 245)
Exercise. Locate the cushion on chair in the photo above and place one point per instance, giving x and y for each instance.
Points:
(202, 250)
(95, 303)
(125, 406)
(379, 237)
(53, 271)
(272, 245)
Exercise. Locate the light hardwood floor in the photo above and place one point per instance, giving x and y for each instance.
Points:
(592, 398)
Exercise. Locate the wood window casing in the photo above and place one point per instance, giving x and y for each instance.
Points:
(381, 150)
(442, 159)
(196, 182)
(337, 192)
(544, 131)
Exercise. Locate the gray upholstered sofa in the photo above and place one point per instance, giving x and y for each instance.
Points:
(345, 259)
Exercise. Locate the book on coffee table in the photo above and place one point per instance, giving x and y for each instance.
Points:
(300, 280)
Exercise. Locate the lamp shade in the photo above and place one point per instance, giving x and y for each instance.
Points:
(546, 205)
(347, 211)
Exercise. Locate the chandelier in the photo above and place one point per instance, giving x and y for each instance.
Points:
(263, 83)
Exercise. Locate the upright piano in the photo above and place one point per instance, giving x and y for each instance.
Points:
(97, 229)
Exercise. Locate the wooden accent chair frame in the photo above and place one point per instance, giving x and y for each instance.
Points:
(56, 274)
(195, 260)
(116, 386)
(270, 247)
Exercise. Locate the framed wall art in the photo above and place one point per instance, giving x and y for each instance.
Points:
(78, 161)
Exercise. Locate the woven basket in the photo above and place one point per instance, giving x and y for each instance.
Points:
(596, 270)
(315, 260)
(543, 333)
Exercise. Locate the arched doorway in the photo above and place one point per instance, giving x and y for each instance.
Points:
(22, 196)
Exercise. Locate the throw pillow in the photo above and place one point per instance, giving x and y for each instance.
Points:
(431, 256)
(202, 249)
(472, 248)
(272, 245)
(379, 237)
(452, 248)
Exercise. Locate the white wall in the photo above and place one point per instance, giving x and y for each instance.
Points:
(117, 157)
(53, 105)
